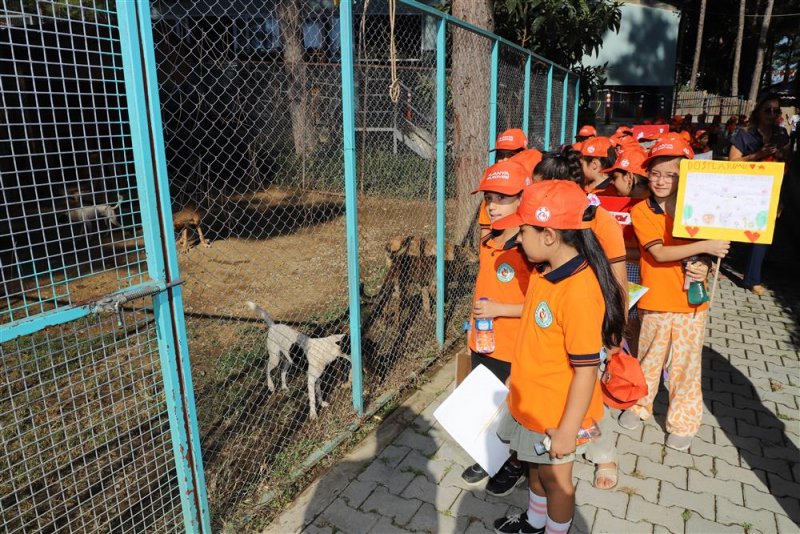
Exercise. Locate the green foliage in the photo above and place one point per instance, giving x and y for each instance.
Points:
(562, 31)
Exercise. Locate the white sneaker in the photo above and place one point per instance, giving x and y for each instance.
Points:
(679, 443)
(629, 420)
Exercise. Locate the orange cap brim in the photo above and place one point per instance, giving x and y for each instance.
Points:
(510, 221)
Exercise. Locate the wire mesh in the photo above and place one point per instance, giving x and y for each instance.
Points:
(510, 88)
(251, 104)
(537, 111)
(569, 135)
(557, 109)
(85, 431)
(69, 216)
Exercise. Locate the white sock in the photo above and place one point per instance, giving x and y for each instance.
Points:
(557, 528)
(537, 510)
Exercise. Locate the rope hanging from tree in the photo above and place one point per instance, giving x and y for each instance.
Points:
(394, 86)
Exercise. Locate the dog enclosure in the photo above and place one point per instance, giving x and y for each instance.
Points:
(326, 153)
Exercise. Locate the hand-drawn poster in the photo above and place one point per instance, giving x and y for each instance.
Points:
(731, 200)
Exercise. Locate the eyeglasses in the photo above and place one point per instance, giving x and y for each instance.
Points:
(772, 111)
(655, 176)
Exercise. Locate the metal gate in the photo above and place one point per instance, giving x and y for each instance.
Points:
(97, 423)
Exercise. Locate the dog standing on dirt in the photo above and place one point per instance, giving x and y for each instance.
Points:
(188, 217)
(91, 215)
(318, 351)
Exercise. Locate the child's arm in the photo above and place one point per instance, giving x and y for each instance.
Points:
(489, 309)
(562, 439)
(666, 254)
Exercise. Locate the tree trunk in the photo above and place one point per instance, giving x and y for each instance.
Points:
(295, 68)
(469, 84)
(737, 58)
(755, 84)
(698, 46)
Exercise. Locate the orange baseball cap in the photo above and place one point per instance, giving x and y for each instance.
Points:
(577, 146)
(506, 177)
(686, 136)
(512, 139)
(622, 381)
(699, 134)
(528, 158)
(622, 130)
(587, 131)
(596, 147)
(629, 161)
(558, 204)
(677, 118)
(669, 145)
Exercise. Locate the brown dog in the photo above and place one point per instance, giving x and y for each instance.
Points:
(189, 217)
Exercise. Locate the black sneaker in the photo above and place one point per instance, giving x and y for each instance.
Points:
(516, 524)
(474, 474)
(506, 479)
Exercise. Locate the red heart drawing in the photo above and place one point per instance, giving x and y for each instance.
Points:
(752, 236)
(752, 165)
(692, 230)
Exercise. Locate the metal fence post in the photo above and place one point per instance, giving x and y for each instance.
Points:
(493, 99)
(526, 96)
(547, 107)
(441, 96)
(564, 94)
(577, 107)
(350, 198)
(147, 143)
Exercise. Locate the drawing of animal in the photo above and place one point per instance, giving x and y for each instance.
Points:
(190, 217)
(320, 352)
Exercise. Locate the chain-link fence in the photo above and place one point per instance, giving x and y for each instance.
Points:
(242, 104)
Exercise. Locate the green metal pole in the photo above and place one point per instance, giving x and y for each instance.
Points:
(547, 107)
(350, 198)
(564, 93)
(493, 99)
(526, 96)
(441, 95)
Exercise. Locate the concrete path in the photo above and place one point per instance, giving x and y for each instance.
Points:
(742, 473)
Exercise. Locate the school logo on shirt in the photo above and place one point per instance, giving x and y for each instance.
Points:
(543, 315)
(505, 273)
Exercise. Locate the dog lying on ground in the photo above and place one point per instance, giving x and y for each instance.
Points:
(318, 351)
(91, 215)
(188, 217)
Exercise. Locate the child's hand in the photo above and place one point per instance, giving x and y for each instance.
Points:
(561, 443)
(718, 248)
(484, 309)
(697, 270)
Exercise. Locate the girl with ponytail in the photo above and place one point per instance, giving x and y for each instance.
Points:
(574, 308)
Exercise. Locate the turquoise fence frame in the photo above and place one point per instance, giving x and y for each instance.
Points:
(144, 115)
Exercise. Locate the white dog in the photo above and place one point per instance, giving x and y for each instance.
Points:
(319, 352)
(91, 215)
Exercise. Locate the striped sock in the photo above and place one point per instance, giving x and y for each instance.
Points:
(557, 528)
(537, 510)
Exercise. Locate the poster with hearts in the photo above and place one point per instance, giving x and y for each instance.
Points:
(730, 200)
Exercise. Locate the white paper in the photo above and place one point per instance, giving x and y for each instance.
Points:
(735, 201)
(471, 415)
(705, 155)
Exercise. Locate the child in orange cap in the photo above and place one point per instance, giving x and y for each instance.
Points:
(671, 325)
(597, 154)
(508, 144)
(499, 293)
(573, 308)
(565, 166)
(585, 133)
(627, 174)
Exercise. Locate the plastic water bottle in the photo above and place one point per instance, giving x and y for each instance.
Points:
(484, 335)
(696, 288)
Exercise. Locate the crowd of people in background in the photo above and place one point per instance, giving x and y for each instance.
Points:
(553, 279)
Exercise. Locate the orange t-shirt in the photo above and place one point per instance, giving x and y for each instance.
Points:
(664, 280)
(503, 276)
(609, 234)
(561, 328)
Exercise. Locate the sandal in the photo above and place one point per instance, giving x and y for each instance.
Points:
(609, 473)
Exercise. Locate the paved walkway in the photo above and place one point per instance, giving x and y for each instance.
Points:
(742, 473)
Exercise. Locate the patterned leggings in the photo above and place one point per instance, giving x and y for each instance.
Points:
(683, 334)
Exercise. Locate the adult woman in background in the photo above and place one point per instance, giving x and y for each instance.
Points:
(763, 140)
